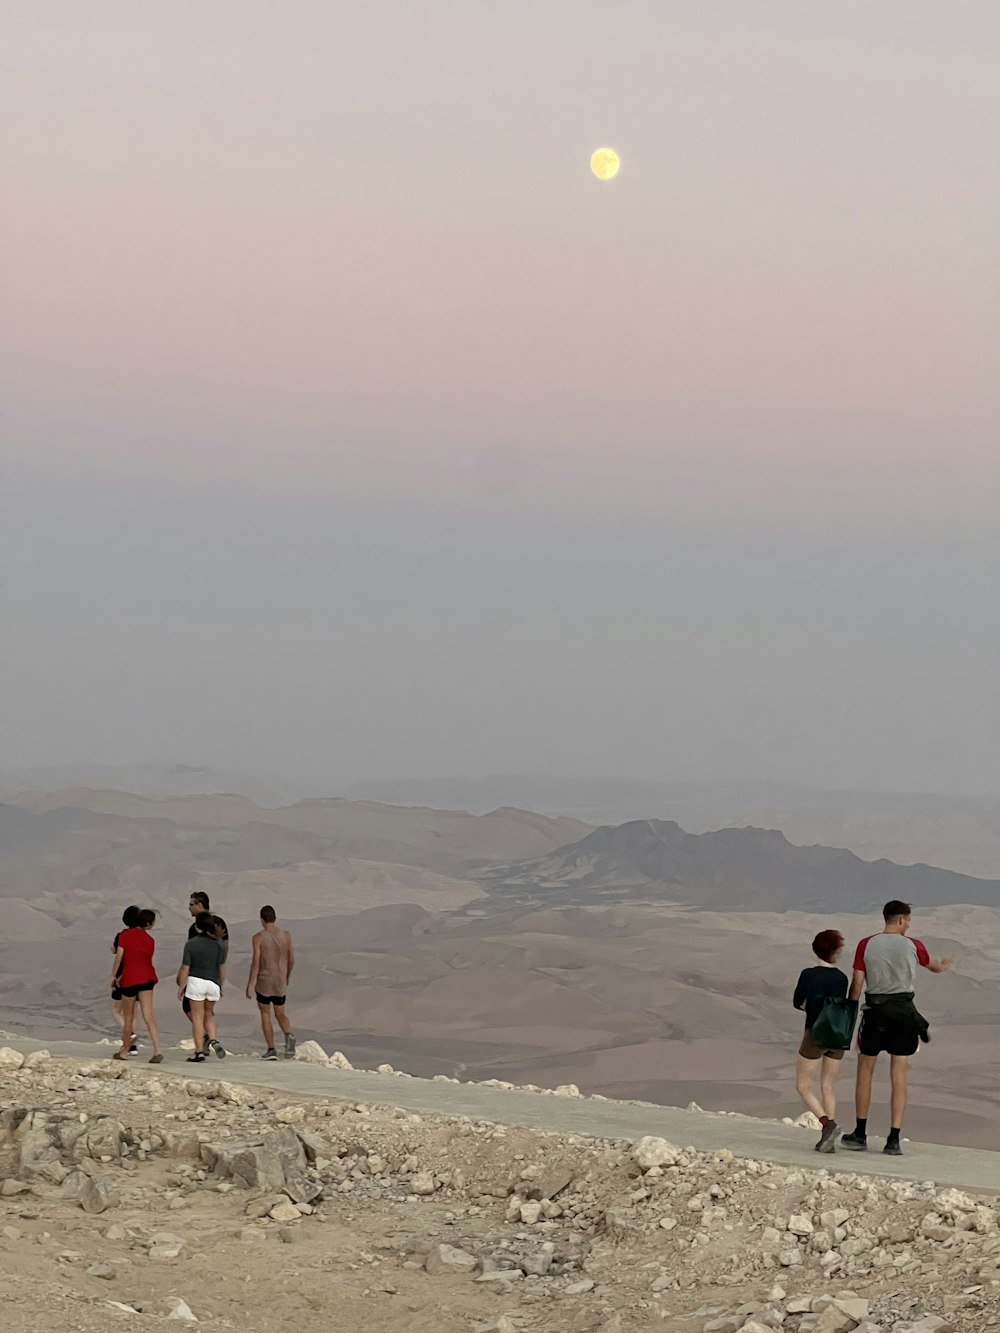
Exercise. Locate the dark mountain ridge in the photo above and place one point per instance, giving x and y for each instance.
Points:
(738, 869)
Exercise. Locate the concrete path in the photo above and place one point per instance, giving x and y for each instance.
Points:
(768, 1140)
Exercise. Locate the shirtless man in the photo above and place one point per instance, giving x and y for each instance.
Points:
(270, 972)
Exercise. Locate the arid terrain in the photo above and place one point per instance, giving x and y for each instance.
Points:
(634, 962)
(132, 1197)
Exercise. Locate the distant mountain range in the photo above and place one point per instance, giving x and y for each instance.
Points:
(736, 869)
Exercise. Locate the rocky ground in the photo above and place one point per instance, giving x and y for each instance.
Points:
(131, 1196)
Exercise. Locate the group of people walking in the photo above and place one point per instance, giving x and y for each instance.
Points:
(200, 979)
(885, 969)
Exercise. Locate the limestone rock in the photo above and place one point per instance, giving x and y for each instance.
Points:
(338, 1060)
(652, 1151)
(449, 1259)
(180, 1310)
(311, 1053)
(423, 1183)
(284, 1212)
(10, 1059)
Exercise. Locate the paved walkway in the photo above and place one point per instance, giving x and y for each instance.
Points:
(768, 1140)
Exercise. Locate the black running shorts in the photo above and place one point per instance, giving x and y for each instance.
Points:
(265, 1000)
(130, 992)
(877, 1036)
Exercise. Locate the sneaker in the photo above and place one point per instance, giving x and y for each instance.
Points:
(270, 1054)
(206, 1047)
(219, 1049)
(828, 1138)
(290, 1046)
(893, 1150)
(853, 1142)
(133, 1049)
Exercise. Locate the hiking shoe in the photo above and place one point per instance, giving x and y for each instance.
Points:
(828, 1138)
(290, 1046)
(270, 1054)
(219, 1049)
(893, 1150)
(853, 1142)
(133, 1049)
(206, 1047)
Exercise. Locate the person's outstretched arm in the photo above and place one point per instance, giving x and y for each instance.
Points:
(931, 964)
(254, 967)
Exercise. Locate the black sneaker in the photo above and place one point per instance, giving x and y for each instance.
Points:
(893, 1149)
(270, 1054)
(828, 1138)
(133, 1049)
(854, 1142)
(290, 1046)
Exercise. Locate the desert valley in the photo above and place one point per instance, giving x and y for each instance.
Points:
(636, 961)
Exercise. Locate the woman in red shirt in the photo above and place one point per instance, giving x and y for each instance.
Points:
(135, 976)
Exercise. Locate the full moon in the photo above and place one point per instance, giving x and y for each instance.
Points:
(604, 163)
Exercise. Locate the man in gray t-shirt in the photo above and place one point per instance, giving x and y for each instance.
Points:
(886, 967)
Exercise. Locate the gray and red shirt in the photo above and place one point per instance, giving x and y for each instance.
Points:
(890, 963)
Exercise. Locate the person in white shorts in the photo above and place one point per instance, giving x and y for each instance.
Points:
(200, 980)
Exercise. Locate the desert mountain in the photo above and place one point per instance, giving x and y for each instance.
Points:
(745, 869)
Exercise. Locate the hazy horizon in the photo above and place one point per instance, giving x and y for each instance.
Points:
(354, 431)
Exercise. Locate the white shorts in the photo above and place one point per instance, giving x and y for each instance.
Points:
(198, 988)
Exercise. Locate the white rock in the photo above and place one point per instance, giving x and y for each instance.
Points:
(930, 1323)
(808, 1121)
(338, 1060)
(531, 1213)
(567, 1090)
(652, 1151)
(800, 1224)
(423, 1183)
(10, 1059)
(311, 1053)
(36, 1059)
(181, 1310)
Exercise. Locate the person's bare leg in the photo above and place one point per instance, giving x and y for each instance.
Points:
(829, 1069)
(128, 1022)
(210, 1029)
(146, 1006)
(282, 1019)
(266, 1026)
(805, 1073)
(863, 1086)
(198, 1024)
(899, 1070)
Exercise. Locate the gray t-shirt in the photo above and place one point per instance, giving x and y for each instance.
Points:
(204, 958)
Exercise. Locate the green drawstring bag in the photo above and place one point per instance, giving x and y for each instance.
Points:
(834, 1028)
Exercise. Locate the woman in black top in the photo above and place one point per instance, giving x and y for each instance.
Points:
(816, 985)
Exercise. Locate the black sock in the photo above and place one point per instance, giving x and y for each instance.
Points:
(861, 1129)
(893, 1136)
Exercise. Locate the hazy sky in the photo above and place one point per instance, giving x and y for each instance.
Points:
(352, 429)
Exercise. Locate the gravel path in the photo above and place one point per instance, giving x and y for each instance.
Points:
(769, 1140)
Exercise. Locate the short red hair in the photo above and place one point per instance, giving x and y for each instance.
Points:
(827, 944)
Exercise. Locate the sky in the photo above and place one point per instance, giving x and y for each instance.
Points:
(353, 429)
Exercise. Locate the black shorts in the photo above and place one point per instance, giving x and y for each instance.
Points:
(186, 1005)
(878, 1036)
(265, 1000)
(130, 992)
(116, 993)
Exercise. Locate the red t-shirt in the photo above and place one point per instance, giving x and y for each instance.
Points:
(137, 959)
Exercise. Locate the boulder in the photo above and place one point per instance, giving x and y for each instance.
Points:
(423, 1183)
(338, 1060)
(311, 1053)
(10, 1059)
(449, 1259)
(652, 1151)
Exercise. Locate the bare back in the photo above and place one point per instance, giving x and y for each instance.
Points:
(272, 975)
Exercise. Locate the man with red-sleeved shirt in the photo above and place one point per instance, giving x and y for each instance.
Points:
(885, 966)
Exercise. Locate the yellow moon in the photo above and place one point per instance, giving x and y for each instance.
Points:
(604, 163)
